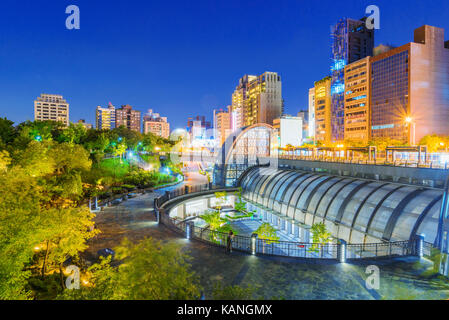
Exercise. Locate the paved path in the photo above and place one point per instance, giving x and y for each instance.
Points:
(271, 277)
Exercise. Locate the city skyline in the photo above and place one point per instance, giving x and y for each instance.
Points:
(306, 40)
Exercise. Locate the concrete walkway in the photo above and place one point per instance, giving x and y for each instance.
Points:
(271, 277)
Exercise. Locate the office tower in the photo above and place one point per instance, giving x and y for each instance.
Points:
(126, 116)
(351, 41)
(311, 133)
(84, 124)
(357, 104)
(155, 124)
(289, 130)
(105, 117)
(202, 119)
(257, 99)
(323, 131)
(222, 125)
(409, 88)
(51, 107)
(304, 115)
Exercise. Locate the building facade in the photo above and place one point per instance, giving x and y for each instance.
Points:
(155, 124)
(222, 125)
(289, 131)
(85, 124)
(323, 132)
(105, 117)
(311, 133)
(51, 107)
(357, 125)
(410, 88)
(126, 116)
(257, 99)
(351, 41)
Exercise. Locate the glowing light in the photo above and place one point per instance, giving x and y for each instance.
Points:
(38, 138)
(408, 120)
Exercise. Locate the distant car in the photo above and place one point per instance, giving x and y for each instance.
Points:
(106, 252)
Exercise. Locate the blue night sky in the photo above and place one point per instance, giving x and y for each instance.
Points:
(180, 58)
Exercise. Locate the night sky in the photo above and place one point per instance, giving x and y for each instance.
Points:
(180, 58)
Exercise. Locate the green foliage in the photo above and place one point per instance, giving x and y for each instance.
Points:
(7, 131)
(267, 232)
(320, 236)
(435, 142)
(149, 270)
(383, 143)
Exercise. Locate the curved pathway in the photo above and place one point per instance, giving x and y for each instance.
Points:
(271, 277)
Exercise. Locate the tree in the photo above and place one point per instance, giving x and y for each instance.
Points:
(434, 142)
(5, 160)
(20, 230)
(267, 233)
(149, 270)
(7, 131)
(320, 236)
(74, 133)
(66, 234)
(120, 150)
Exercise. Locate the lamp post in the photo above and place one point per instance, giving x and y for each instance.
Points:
(411, 124)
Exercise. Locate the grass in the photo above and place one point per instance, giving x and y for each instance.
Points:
(113, 167)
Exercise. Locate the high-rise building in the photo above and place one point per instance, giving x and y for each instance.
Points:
(357, 127)
(311, 133)
(409, 88)
(84, 124)
(323, 131)
(222, 125)
(257, 99)
(202, 119)
(51, 107)
(351, 41)
(157, 125)
(289, 131)
(105, 117)
(126, 116)
(304, 116)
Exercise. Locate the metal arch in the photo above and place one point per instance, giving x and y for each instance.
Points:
(237, 137)
(373, 214)
(269, 189)
(423, 215)
(250, 171)
(257, 180)
(302, 192)
(391, 224)
(249, 176)
(362, 204)
(262, 180)
(265, 185)
(279, 196)
(336, 194)
(324, 194)
(294, 191)
(299, 175)
(312, 193)
(348, 198)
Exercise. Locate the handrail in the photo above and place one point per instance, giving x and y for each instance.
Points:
(285, 248)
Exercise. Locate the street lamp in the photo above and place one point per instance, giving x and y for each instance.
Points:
(411, 124)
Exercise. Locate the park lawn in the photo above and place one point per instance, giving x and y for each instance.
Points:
(113, 168)
(153, 160)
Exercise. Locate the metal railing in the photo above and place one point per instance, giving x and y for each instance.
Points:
(378, 162)
(284, 248)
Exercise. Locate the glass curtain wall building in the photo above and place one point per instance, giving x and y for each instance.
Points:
(350, 42)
